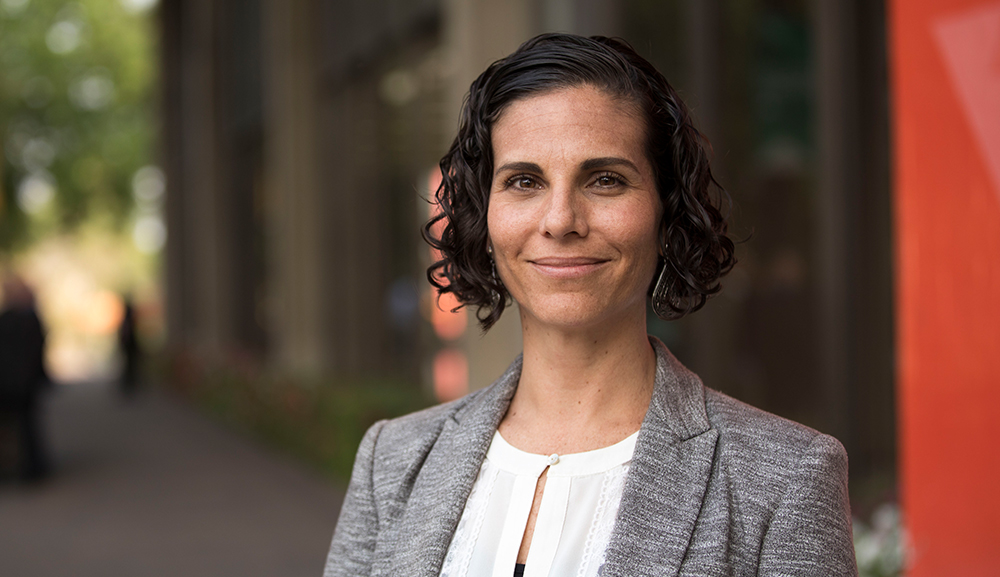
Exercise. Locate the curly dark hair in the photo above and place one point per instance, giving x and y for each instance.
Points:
(693, 228)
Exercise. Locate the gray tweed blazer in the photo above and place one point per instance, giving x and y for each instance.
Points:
(716, 487)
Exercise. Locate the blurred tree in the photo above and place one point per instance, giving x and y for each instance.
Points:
(76, 114)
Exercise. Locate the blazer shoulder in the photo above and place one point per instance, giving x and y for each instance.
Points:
(759, 442)
(405, 439)
(789, 479)
(408, 429)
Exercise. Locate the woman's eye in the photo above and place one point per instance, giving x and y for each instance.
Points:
(607, 180)
(522, 182)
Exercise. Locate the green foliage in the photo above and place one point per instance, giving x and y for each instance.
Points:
(320, 423)
(76, 113)
(881, 547)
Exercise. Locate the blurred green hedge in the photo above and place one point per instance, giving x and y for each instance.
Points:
(318, 421)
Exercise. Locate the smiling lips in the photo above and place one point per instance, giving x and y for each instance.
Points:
(566, 267)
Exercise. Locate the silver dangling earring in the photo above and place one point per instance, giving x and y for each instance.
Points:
(494, 293)
(661, 292)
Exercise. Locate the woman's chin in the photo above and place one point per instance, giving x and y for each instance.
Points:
(573, 313)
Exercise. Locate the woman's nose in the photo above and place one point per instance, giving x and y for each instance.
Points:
(562, 213)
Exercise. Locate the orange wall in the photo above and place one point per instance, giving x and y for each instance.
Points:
(945, 66)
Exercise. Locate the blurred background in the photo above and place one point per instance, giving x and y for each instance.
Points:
(81, 209)
(299, 139)
(239, 185)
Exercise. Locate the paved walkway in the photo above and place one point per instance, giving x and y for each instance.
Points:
(151, 488)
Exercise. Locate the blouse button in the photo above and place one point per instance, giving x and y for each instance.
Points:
(553, 459)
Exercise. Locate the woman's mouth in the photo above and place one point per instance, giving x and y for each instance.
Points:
(567, 267)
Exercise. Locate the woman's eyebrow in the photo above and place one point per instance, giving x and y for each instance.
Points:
(525, 166)
(607, 161)
(589, 164)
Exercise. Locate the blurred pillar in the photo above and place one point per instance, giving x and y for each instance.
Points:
(211, 147)
(837, 176)
(704, 21)
(239, 112)
(477, 32)
(194, 287)
(946, 86)
(711, 328)
(376, 128)
(291, 188)
(284, 167)
(852, 223)
(584, 17)
(357, 232)
(170, 65)
(871, 340)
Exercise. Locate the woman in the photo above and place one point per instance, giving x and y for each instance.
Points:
(577, 186)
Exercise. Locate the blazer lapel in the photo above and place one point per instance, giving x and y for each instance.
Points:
(423, 534)
(667, 479)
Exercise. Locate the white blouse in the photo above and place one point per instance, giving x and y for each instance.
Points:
(568, 540)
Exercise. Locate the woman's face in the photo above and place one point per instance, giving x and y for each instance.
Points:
(573, 208)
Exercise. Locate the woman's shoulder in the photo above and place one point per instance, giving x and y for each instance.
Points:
(412, 434)
(786, 483)
(431, 419)
(395, 445)
(775, 446)
(745, 433)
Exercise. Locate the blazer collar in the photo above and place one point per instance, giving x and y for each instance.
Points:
(668, 476)
(678, 400)
(660, 501)
(446, 477)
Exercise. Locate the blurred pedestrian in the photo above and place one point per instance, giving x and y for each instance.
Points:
(128, 343)
(23, 378)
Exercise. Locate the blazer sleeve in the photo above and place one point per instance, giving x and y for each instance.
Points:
(357, 527)
(810, 533)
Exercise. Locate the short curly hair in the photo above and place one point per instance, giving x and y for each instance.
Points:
(692, 230)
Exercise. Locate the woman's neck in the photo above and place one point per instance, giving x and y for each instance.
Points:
(580, 389)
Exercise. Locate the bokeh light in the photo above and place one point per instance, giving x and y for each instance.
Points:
(451, 374)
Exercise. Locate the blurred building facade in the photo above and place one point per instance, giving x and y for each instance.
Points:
(300, 136)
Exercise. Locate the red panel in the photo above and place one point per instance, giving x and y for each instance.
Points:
(945, 62)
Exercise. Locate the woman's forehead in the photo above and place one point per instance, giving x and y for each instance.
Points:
(570, 122)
